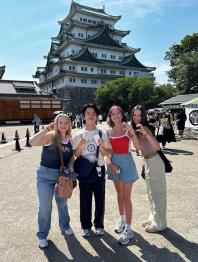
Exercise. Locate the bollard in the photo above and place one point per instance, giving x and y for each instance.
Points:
(17, 145)
(28, 138)
(3, 138)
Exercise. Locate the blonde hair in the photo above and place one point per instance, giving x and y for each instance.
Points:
(56, 138)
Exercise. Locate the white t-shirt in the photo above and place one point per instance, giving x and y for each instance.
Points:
(90, 148)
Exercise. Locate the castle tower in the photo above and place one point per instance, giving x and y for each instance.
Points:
(87, 52)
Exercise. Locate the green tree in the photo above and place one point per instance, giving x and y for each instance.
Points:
(129, 92)
(184, 62)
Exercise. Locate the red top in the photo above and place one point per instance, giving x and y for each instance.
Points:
(120, 145)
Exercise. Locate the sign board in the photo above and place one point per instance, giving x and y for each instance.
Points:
(192, 117)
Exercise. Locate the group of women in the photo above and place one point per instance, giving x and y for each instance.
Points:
(111, 148)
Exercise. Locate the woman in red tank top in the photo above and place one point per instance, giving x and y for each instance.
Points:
(122, 169)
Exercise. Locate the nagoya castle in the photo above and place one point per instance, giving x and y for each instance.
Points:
(87, 52)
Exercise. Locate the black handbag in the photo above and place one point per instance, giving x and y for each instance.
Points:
(83, 167)
(167, 164)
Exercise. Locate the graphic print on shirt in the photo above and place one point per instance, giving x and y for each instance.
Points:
(90, 148)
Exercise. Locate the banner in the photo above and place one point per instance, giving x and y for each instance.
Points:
(192, 117)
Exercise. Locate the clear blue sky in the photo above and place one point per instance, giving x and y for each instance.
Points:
(26, 28)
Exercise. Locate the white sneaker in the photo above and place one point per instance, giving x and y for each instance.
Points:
(126, 236)
(43, 243)
(69, 231)
(99, 231)
(86, 232)
(119, 227)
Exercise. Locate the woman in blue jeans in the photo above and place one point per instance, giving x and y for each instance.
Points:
(55, 137)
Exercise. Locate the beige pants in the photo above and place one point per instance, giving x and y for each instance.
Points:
(156, 189)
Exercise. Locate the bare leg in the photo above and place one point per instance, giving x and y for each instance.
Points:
(127, 189)
(119, 190)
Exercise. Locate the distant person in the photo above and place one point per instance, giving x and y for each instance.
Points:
(181, 119)
(165, 131)
(36, 121)
(152, 122)
(100, 119)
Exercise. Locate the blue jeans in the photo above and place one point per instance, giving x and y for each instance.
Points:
(46, 180)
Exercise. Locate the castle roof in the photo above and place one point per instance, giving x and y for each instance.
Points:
(98, 26)
(132, 61)
(103, 38)
(85, 56)
(75, 7)
(18, 88)
(2, 71)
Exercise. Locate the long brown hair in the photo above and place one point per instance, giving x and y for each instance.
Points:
(56, 138)
(109, 121)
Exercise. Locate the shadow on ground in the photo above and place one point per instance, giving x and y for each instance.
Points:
(174, 151)
(108, 249)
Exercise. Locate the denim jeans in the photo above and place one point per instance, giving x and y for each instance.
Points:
(46, 179)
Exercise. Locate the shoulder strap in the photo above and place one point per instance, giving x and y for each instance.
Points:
(61, 157)
(97, 150)
(100, 133)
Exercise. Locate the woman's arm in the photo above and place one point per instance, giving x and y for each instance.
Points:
(148, 135)
(132, 135)
(79, 149)
(43, 137)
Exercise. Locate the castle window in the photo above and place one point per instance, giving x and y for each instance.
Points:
(102, 82)
(112, 56)
(95, 54)
(84, 20)
(94, 22)
(81, 19)
(83, 81)
(91, 69)
(113, 72)
(89, 21)
(129, 72)
(72, 80)
(94, 81)
(83, 68)
(103, 71)
(104, 56)
(73, 52)
(72, 68)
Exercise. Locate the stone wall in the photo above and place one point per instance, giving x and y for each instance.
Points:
(76, 97)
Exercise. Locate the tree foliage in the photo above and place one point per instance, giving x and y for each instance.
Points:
(129, 92)
(184, 62)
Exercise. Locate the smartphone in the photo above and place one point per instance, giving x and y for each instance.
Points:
(96, 138)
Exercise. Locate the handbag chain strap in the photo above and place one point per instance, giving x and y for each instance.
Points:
(62, 161)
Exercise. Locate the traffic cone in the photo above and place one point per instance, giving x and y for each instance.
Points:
(17, 145)
(28, 138)
(3, 138)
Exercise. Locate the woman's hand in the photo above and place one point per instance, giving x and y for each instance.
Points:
(142, 129)
(130, 130)
(101, 142)
(113, 168)
(50, 127)
(81, 144)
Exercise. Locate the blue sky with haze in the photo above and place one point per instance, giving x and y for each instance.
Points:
(26, 28)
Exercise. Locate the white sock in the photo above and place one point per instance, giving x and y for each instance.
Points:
(122, 218)
(128, 227)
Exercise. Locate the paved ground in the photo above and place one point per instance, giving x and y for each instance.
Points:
(18, 214)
